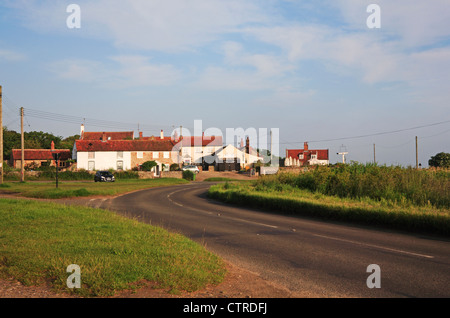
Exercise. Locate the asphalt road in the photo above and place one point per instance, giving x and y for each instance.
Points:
(325, 259)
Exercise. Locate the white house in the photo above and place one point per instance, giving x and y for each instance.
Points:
(194, 148)
(124, 154)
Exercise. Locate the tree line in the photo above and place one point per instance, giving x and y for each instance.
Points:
(34, 140)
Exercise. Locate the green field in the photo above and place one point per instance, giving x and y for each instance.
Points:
(68, 189)
(389, 197)
(38, 240)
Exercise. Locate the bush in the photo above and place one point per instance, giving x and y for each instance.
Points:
(148, 165)
(188, 175)
(122, 175)
(174, 167)
(394, 184)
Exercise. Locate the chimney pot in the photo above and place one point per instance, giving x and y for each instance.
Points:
(162, 134)
(140, 135)
(305, 147)
(52, 145)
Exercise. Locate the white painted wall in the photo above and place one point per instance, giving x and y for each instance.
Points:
(104, 160)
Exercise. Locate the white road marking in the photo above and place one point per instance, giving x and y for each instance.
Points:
(209, 212)
(375, 246)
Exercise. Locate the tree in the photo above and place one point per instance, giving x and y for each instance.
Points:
(440, 160)
(148, 165)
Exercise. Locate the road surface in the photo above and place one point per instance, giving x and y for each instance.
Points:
(326, 259)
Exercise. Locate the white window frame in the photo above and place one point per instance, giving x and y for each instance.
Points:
(140, 154)
(155, 154)
(166, 154)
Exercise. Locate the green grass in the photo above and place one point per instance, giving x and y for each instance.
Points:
(290, 200)
(219, 179)
(38, 240)
(67, 189)
(393, 183)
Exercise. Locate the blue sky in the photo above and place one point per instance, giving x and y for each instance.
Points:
(312, 69)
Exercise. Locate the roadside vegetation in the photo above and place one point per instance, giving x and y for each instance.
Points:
(403, 198)
(39, 240)
(48, 190)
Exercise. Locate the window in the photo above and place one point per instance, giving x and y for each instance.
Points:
(166, 154)
(91, 165)
(155, 154)
(314, 156)
(120, 155)
(119, 165)
(300, 156)
(91, 155)
(140, 154)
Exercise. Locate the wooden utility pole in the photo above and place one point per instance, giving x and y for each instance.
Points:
(374, 157)
(1, 137)
(417, 156)
(22, 147)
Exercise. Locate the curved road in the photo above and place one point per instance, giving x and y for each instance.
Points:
(321, 258)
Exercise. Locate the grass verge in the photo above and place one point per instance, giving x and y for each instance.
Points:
(67, 189)
(219, 179)
(39, 240)
(367, 211)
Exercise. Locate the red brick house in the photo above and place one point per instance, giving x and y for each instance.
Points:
(306, 156)
(39, 157)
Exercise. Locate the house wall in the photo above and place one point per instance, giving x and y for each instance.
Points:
(159, 156)
(103, 160)
(197, 152)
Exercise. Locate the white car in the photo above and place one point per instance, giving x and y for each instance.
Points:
(191, 168)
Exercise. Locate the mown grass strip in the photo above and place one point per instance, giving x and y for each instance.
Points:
(364, 210)
(48, 190)
(38, 240)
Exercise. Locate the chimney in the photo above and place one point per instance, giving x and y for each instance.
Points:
(141, 135)
(52, 146)
(104, 136)
(247, 145)
(305, 146)
(162, 134)
(82, 131)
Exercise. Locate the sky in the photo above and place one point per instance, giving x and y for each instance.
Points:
(331, 73)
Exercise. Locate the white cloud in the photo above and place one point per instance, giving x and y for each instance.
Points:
(11, 56)
(170, 26)
(265, 65)
(120, 71)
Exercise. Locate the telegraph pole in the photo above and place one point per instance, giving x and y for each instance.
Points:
(22, 146)
(1, 137)
(374, 158)
(417, 156)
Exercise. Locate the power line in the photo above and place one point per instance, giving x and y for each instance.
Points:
(376, 134)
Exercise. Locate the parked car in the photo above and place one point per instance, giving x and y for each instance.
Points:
(191, 168)
(104, 176)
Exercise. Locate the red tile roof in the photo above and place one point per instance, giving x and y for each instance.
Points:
(322, 154)
(40, 154)
(192, 141)
(125, 145)
(109, 135)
